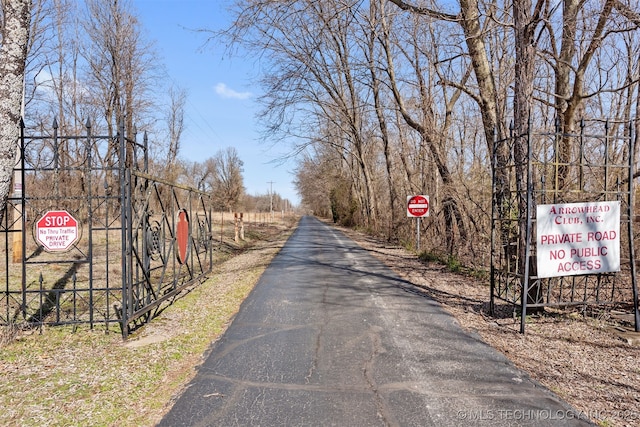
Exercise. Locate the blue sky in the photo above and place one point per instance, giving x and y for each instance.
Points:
(221, 105)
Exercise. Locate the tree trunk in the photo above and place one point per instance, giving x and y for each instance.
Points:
(13, 55)
(569, 96)
(524, 23)
(426, 129)
(382, 123)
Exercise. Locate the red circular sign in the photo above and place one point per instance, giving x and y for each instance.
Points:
(57, 231)
(418, 206)
(182, 236)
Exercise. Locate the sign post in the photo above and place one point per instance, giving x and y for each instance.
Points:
(57, 231)
(417, 207)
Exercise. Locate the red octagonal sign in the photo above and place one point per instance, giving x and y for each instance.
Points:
(417, 206)
(57, 231)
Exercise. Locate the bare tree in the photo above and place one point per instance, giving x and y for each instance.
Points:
(53, 84)
(371, 52)
(485, 93)
(224, 175)
(525, 22)
(469, 18)
(314, 185)
(433, 133)
(16, 22)
(175, 122)
(380, 105)
(315, 78)
(584, 27)
(120, 64)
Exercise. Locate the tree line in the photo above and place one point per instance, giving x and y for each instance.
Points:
(89, 63)
(382, 99)
(379, 99)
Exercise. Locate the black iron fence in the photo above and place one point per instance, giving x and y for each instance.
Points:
(575, 177)
(91, 238)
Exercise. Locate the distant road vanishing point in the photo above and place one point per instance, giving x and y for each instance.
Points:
(332, 337)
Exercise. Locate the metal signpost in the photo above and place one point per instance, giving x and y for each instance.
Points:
(417, 207)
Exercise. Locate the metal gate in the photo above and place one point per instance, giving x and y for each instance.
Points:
(601, 169)
(91, 238)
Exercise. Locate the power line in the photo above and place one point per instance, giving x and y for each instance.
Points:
(271, 196)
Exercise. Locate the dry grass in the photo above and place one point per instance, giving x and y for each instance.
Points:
(55, 377)
(90, 378)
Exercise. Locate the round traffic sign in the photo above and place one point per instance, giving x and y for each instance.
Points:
(57, 231)
(417, 206)
(182, 236)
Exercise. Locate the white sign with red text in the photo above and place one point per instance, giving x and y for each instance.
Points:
(578, 238)
(417, 206)
(57, 231)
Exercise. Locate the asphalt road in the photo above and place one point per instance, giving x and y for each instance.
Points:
(331, 337)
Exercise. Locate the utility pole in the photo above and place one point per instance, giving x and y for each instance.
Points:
(271, 198)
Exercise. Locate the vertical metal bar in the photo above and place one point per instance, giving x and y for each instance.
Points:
(7, 244)
(606, 160)
(88, 169)
(556, 160)
(146, 257)
(125, 233)
(492, 282)
(174, 208)
(74, 279)
(24, 226)
(145, 215)
(128, 206)
(7, 291)
(56, 164)
(145, 142)
(581, 165)
(630, 205)
(191, 247)
(107, 207)
(527, 250)
(40, 281)
(210, 233)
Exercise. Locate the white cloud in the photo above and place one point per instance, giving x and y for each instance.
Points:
(226, 92)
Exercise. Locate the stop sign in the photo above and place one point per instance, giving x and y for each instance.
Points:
(417, 206)
(57, 231)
